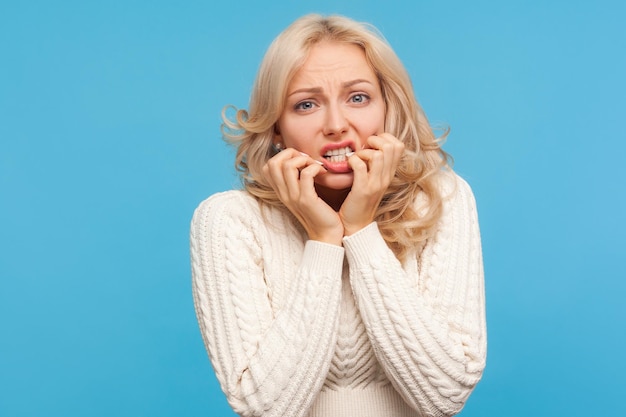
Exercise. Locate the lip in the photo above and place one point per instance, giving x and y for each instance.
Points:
(337, 167)
(337, 145)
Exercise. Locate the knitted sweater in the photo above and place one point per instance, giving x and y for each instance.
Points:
(296, 327)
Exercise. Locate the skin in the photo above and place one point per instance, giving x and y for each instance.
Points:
(333, 101)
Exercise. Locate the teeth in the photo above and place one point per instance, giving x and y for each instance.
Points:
(339, 155)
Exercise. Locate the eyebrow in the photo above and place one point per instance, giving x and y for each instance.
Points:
(317, 90)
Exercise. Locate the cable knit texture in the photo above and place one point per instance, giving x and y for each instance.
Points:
(295, 327)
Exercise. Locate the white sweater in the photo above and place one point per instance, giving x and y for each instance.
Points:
(296, 327)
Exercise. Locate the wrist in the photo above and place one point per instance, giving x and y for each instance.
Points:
(332, 240)
(352, 229)
(332, 237)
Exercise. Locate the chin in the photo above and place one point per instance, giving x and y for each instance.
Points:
(336, 182)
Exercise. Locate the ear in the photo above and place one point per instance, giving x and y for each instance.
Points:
(277, 141)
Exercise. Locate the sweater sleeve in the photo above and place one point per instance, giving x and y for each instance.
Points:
(268, 363)
(428, 331)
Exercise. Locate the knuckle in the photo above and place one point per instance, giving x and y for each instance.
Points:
(289, 165)
(305, 173)
(272, 164)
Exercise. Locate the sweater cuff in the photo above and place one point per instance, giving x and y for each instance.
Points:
(323, 258)
(365, 245)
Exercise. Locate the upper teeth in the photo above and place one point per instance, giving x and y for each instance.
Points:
(346, 151)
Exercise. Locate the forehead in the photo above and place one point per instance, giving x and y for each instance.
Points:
(334, 60)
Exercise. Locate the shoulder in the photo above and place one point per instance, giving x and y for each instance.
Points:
(226, 209)
(455, 190)
(452, 184)
(451, 189)
(232, 200)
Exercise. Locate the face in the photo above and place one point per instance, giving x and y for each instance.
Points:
(334, 103)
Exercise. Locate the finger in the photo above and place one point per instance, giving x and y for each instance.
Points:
(389, 160)
(392, 150)
(359, 165)
(273, 174)
(396, 146)
(280, 169)
(291, 173)
(307, 180)
(373, 159)
(386, 142)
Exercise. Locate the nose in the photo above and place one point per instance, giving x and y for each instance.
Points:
(335, 123)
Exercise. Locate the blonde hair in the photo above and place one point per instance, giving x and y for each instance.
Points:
(402, 225)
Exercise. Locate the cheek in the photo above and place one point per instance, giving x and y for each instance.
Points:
(381, 119)
(297, 132)
(380, 126)
(374, 116)
(374, 122)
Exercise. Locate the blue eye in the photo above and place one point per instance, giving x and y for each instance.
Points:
(359, 98)
(304, 105)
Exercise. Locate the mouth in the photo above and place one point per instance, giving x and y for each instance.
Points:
(338, 155)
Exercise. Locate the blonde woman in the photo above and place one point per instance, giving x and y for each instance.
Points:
(346, 278)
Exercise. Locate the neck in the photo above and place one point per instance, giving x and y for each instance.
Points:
(333, 198)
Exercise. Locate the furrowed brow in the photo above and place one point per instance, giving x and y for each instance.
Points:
(349, 84)
(312, 90)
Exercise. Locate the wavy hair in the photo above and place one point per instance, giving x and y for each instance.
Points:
(403, 223)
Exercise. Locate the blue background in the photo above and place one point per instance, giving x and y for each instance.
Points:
(109, 138)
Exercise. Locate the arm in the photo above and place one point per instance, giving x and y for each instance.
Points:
(268, 363)
(429, 337)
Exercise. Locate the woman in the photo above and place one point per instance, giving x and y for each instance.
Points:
(346, 278)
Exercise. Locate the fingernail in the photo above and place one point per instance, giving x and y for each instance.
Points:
(349, 154)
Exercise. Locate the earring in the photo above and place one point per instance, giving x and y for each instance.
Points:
(277, 147)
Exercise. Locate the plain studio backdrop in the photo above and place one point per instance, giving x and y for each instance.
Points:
(109, 138)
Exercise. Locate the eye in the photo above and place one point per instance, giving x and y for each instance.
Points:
(359, 98)
(304, 105)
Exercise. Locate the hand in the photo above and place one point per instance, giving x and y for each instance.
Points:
(374, 168)
(291, 174)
